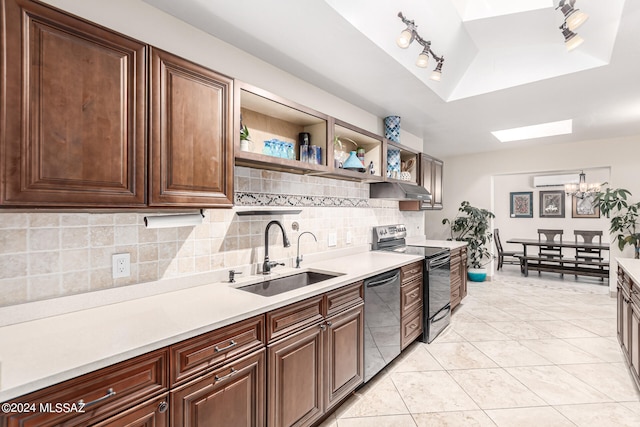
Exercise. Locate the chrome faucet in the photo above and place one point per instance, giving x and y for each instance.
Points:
(268, 265)
(298, 256)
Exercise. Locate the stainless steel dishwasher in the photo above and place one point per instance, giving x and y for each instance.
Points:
(381, 321)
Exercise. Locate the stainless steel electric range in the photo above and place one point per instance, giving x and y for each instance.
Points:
(436, 281)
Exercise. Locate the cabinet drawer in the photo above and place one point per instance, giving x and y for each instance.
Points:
(411, 296)
(293, 317)
(411, 327)
(411, 271)
(198, 354)
(153, 413)
(345, 297)
(126, 384)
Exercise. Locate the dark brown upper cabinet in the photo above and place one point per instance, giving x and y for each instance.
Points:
(72, 124)
(191, 147)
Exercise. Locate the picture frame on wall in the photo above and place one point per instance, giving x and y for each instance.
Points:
(584, 207)
(552, 204)
(521, 204)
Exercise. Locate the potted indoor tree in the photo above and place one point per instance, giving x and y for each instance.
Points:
(624, 217)
(471, 225)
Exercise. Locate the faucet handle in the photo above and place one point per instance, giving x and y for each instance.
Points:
(232, 274)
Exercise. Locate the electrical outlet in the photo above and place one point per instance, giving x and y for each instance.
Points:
(333, 239)
(121, 265)
(348, 237)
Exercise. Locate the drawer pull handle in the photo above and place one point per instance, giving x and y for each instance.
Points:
(413, 295)
(230, 374)
(111, 392)
(232, 343)
(413, 326)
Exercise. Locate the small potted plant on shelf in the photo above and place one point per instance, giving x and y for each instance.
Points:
(245, 138)
(471, 225)
(624, 223)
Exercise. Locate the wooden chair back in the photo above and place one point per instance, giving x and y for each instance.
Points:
(550, 250)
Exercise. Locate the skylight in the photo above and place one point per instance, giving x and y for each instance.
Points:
(562, 127)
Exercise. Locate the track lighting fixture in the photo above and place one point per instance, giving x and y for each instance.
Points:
(573, 18)
(408, 35)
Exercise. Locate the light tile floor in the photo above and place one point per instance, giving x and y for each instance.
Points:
(536, 351)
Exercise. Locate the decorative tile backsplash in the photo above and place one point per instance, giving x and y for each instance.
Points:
(48, 255)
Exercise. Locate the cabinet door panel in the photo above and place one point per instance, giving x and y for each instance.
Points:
(230, 396)
(634, 340)
(74, 113)
(191, 138)
(295, 378)
(345, 358)
(436, 195)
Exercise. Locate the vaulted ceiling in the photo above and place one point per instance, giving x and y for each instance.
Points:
(505, 62)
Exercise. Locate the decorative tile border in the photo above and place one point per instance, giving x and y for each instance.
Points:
(269, 199)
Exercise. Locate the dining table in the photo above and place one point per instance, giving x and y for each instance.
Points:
(598, 268)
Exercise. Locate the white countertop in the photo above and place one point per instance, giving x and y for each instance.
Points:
(43, 352)
(448, 244)
(632, 267)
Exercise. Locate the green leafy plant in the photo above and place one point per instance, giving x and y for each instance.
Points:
(471, 225)
(244, 133)
(624, 217)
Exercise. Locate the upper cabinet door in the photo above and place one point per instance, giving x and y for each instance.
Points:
(191, 150)
(72, 124)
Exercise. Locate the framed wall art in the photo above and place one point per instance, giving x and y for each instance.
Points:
(552, 204)
(585, 207)
(521, 204)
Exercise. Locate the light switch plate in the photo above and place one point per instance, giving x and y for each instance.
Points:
(333, 239)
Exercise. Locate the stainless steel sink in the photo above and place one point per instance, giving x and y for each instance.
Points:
(272, 287)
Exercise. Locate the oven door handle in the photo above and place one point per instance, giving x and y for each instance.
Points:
(446, 310)
(439, 262)
(383, 282)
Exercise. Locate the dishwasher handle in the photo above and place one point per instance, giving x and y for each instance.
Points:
(382, 282)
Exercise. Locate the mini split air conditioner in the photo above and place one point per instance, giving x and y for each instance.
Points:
(555, 180)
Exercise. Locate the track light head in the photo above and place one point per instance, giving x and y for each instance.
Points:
(408, 34)
(571, 39)
(436, 75)
(572, 17)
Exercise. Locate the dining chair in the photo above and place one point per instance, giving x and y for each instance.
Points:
(505, 257)
(588, 254)
(550, 251)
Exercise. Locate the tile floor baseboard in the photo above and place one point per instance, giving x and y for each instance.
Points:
(535, 351)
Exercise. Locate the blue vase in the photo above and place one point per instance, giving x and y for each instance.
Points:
(392, 128)
(477, 274)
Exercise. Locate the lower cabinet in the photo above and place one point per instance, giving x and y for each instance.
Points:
(319, 361)
(628, 321)
(295, 378)
(232, 395)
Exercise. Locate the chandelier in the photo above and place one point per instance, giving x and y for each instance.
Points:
(582, 189)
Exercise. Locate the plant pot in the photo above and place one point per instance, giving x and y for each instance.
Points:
(477, 274)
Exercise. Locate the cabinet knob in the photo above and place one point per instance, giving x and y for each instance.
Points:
(162, 407)
(323, 326)
(328, 323)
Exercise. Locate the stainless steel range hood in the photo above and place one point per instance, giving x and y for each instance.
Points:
(398, 191)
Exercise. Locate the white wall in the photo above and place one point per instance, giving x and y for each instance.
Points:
(473, 178)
